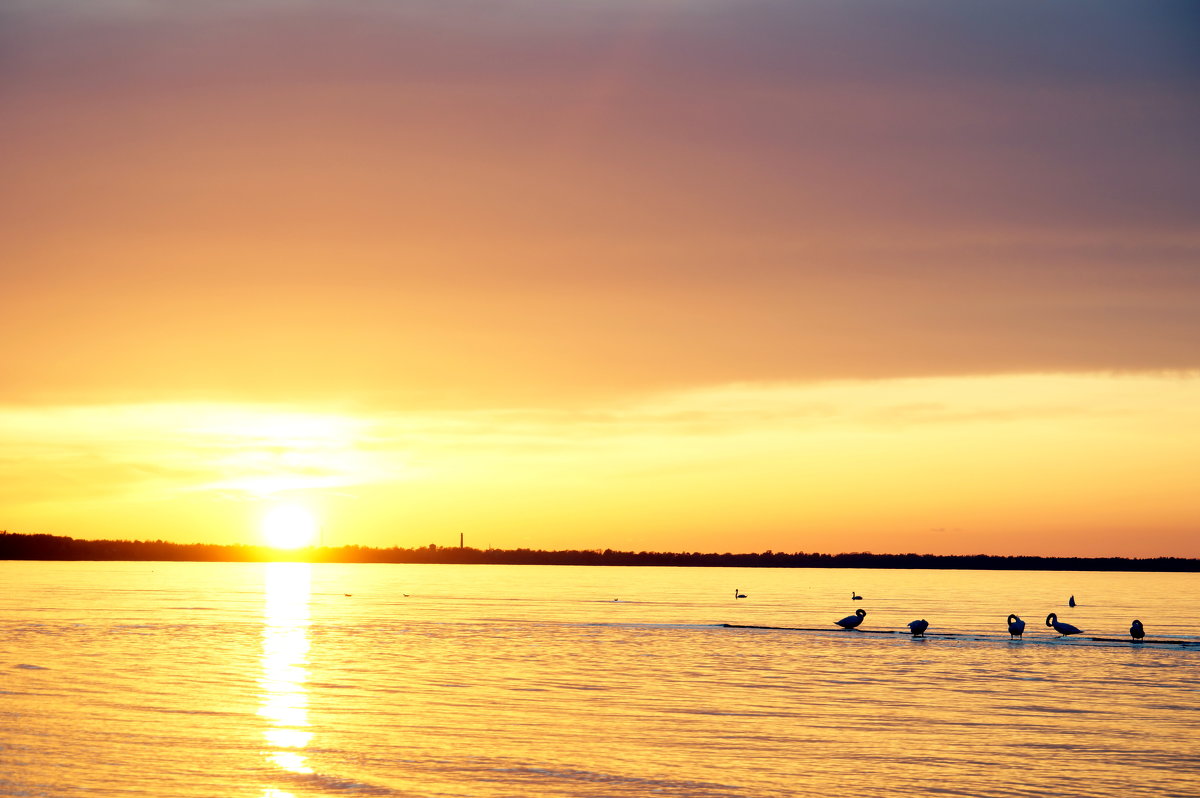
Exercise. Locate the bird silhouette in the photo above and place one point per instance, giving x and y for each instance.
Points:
(851, 621)
(737, 594)
(854, 596)
(1137, 632)
(1016, 627)
(917, 628)
(1071, 601)
(1063, 629)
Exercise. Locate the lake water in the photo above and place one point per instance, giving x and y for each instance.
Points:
(268, 681)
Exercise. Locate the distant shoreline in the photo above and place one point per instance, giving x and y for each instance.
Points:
(16, 546)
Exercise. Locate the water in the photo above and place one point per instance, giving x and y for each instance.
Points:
(267, 681)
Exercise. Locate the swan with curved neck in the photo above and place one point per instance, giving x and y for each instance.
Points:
(1063, 629)
(852, 621)
(854, 596)
(1016, 627)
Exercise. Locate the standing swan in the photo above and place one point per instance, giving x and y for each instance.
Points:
(917, 628)
(1016, 627)
(1063, 629)
(738, 594)
(854, 596)
(1137, 632)
(851, 621)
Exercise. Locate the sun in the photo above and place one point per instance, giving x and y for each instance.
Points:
(289, 526)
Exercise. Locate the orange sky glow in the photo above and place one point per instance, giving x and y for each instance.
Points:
(697, 276)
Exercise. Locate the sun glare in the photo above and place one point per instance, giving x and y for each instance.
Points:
(289, 526)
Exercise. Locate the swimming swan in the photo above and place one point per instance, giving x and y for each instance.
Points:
(1016, 627)
(1137, 632)
(736, 594)
(854, 596)
(1063, 629)
(917, 628)
(851, 621)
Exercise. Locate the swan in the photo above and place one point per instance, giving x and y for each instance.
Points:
(1016, 627)
(917, 628)
(1071, 601)
(1063, 629)
(851, 621)
(1137, 632)
(854, 596)
(736, 594)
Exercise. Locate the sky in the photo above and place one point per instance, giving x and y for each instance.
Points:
(687, 275)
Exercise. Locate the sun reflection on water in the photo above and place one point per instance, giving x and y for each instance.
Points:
(284, 696)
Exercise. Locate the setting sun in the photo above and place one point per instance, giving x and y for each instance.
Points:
(289, 527)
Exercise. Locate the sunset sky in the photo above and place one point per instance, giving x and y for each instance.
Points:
(693, 275)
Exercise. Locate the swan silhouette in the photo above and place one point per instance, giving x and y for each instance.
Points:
(851, 621)
(1071, 601)
(917, 628)
(1137, 632)
(1016, 627)
(737, 594)
(1063, 629)
(854, 596)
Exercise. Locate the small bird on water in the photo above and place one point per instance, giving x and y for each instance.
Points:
(1071, 601)
(1016, 627)
(852, 621)
(854, 596)
(917, 628)
(1137, 632)
(738, 594)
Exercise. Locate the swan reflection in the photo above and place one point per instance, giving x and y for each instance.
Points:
(284, 694)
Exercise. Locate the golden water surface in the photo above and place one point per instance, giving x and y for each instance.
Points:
(290, 680)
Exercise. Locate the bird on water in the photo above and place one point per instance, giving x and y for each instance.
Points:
(1137, 632)
(738, 594)
(1016, 627)
(851, 621)
(1071, 601)
(917, 628)
(854, 596)
(1063, 629)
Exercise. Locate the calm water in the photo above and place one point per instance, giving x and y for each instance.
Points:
(267, 681)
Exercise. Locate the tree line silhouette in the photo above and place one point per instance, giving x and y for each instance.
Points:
(17, 546)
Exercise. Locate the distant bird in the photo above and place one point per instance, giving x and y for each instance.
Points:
(851, 621)
(917, 628)
(738, 594)
(1063, 629)
(854, 596)
(1071, 601)
(1137, 632)
(347, 594)
(1016, 627)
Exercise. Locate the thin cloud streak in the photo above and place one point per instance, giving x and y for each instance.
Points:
(789, 465)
